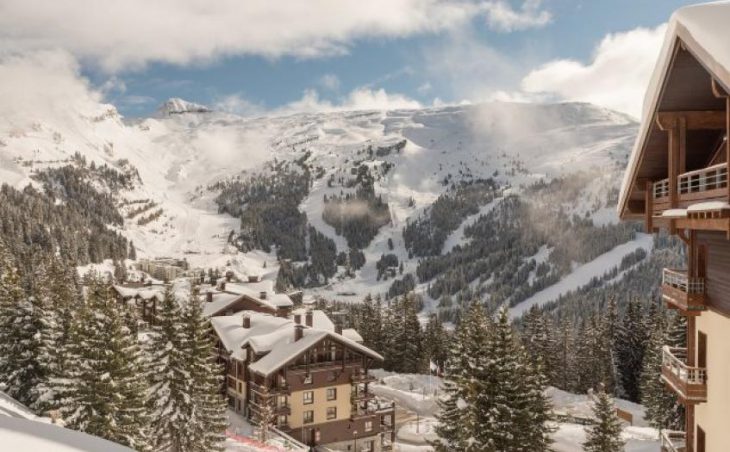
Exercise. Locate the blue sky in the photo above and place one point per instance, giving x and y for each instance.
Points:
(323, 57)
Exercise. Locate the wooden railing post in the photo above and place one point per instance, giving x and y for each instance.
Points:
(649, 206)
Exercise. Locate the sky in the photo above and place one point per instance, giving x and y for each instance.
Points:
(260, 57)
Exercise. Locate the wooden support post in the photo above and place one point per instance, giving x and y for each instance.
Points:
(691, 341)
(682, 145)
(649, 207)
(673, 167)
(727, 145)
(689, 417)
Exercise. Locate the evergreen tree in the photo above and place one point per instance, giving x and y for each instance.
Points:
(630, 346)
(61, 297)
(539, 342)
(169, 398)
(208, 420)
(663, 410)
(435, 342)
(21, 323)
(605, 435)
(104, 393)
(457, 423)
(509, 406)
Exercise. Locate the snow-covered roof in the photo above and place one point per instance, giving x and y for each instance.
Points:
(275, 336)
(143, 292)
(254, 290)
(221, 301)
(352, 334)
(703, 31)
(22, 435)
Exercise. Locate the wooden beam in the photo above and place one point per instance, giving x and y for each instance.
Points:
(682, 145)
(696, 120)
(717, 90)
(648, 207)
(673, 159)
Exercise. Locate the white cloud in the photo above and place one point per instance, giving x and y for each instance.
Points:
(358, 99)
(239, 105)
(501, 16)
(424, 88)
(616, 78)
(330, 82)
(123, 35)
(43, 85)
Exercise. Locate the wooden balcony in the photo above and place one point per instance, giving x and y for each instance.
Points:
(689, 383)
(682, 292)
(673, 441)
(260, 390)
(362, 377)
(701, 200)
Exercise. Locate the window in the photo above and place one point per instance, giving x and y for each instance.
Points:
(368, 446)
(308, 379)
(368, 426)
(331, 393)
(308, 417)
(282, 420)
(239, 387)
(308, 397)
(331, 413)
(316, 436)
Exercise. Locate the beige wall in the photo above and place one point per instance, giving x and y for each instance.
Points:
(713, 415)
(320, 405)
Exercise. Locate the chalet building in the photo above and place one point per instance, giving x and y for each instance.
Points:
(224, 299)
(165, 269)
(677, 181)
(305, 377)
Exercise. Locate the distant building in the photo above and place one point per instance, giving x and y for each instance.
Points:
(164, 269)
(677, 182)
(312, 376)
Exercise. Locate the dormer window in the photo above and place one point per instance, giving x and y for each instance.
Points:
(308, 379)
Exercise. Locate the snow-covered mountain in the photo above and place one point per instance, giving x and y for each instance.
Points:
(182, 152)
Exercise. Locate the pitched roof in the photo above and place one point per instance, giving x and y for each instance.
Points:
(703, 31)
(274, 336)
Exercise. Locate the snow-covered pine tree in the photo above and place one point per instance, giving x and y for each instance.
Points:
(104, 393)
(539, 342)
(169, 398)
(605, 435)
(538, 407)
(208, 421)
(435, 342)
(20, 330)
(456, 425)
(630, 346)
(61, 297)
(409, 337)
(507, 415)
(663, 410)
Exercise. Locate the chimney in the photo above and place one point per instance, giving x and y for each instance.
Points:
(298, 332)
(262, 295)
(338, 329)
(209, 297)
(298, 319)
(247, 321)
(308, 318)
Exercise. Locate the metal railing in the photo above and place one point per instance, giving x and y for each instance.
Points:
(673, 441)
(705, 179)
(661, 188)
(674, 360)
(680, 280)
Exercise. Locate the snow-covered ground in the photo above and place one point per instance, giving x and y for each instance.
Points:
(179, 155)
(417, 393)
(23, 431)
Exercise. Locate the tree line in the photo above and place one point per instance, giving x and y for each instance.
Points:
(69, 349)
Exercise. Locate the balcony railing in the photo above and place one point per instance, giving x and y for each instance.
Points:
(701, 183)
(672, 441)
(261, 390)
(690, 383)
(682, 291)
(362, 377)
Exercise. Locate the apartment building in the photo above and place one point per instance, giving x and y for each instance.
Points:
(677, 181)
(305, 376)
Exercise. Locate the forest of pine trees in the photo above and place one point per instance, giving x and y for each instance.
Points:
(77, 353)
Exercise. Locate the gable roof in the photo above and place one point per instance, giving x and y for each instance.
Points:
(274, 336)
(701, 31)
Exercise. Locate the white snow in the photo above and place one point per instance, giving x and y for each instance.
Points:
(583, 274)
(457, 237)
(675, 213)
(570, 438)
(710, 205)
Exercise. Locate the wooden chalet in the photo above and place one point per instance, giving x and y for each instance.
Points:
(677, 181)
(305, 377)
